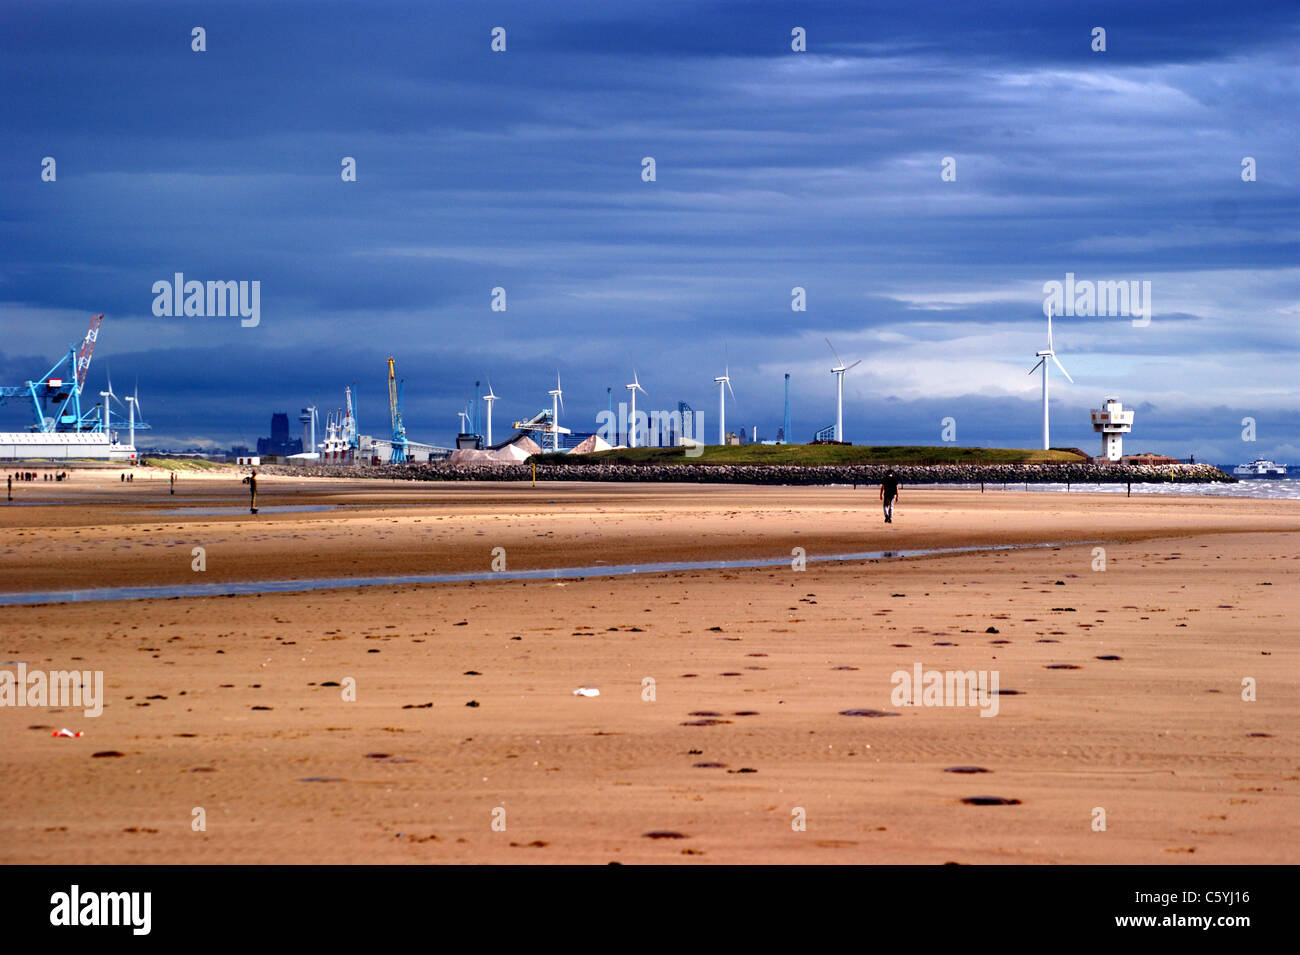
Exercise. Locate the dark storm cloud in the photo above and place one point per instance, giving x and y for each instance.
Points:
(775, 170)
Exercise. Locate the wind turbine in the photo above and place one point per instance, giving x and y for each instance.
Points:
(557, 403)
(133, 401)
(464, 421)
(1042, 360)
(838, 371)
(106, 416)
(489, 398)
(633, 388)
(725, 379)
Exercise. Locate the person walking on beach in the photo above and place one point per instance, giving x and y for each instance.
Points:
(252, 492)
(173, 482)
(889, 494)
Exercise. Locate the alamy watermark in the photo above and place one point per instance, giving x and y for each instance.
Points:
(74, 689)
(1088, 299)
(923, 687)
(652, 427)
(208, 300)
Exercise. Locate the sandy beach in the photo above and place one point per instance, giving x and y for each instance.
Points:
(719, 727)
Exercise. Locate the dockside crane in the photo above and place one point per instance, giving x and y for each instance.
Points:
(56, 400)
(395, 413)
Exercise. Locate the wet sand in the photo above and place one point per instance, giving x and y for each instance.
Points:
(227, 703)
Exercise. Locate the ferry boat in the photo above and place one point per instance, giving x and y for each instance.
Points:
(1260, 468)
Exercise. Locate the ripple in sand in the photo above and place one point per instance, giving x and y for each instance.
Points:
(1266, 735)
(709, 766)
(745, 713)
(1109, 656)
(1062, 666)
(965, 769)
(703, 713)
(843, 668)
(990, 801)
(321, 779)
(743, 769)
(865, 713)
(705, 722)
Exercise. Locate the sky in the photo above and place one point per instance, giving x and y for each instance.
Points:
(774, 170)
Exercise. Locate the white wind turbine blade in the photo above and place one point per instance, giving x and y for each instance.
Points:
(1062, 367)
(839, 362)
(1050, 346)
(1035, 368)
(728, 381)
(854, 365)
(136, 399)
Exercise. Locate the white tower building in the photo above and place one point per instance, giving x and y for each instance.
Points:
(1112, 421)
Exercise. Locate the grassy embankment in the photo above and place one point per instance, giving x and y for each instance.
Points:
(817, 454)
(182, 464)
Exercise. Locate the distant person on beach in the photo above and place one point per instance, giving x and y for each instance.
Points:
(252, 492)
(889, 494)
(173, 482)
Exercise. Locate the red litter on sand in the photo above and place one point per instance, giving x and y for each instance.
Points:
(68, 733)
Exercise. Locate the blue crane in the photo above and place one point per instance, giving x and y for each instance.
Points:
(395, 413)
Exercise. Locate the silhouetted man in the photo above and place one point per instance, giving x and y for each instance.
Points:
(889, 494)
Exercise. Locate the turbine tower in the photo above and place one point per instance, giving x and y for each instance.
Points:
(1042, 360)
(557, 402)
(634, 387)
(134, 402)
(106, 416)
(489, 398)
(725, 379)
(838, 371)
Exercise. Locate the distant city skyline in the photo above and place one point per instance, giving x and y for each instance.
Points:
(916, 180)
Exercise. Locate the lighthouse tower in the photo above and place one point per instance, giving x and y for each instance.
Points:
(1112, 422)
